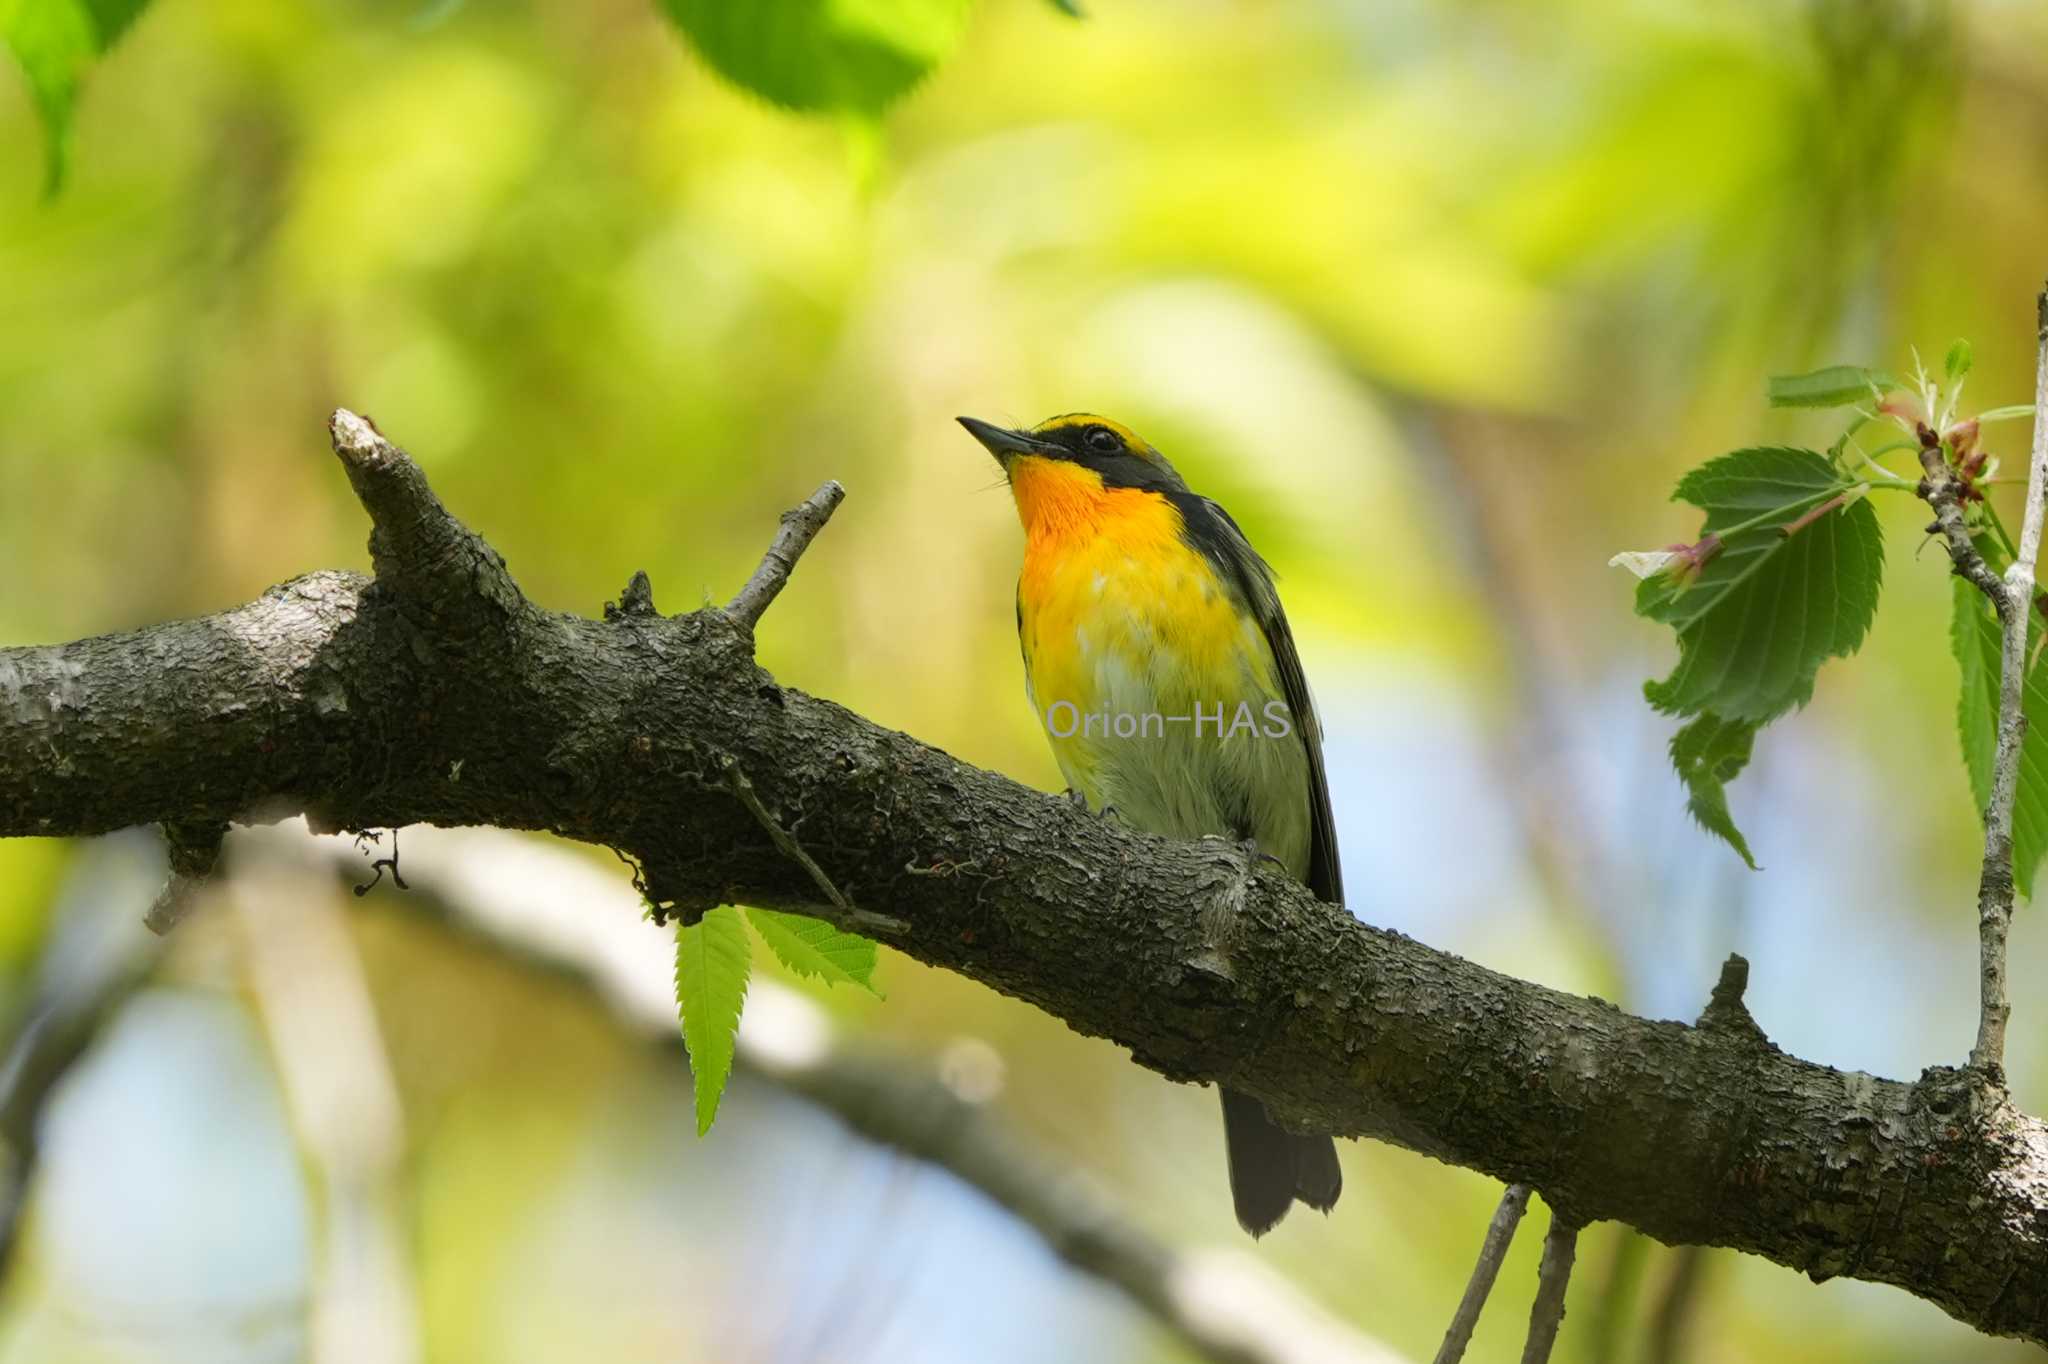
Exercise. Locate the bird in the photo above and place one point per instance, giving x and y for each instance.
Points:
(1158, 658)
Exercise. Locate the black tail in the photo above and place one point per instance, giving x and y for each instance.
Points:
(1270, 1166)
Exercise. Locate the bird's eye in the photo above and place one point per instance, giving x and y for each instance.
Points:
(1102, 440)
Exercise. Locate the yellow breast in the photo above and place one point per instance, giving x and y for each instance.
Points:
(1117, 610)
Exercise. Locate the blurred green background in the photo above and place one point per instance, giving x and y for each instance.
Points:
(1438, 297)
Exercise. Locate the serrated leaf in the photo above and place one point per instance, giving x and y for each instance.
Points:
(815, 949)
(1709, 753)
(1959, 359)
(1974, 638)
(850, 56)
(1794, 583)
(56, 42)
(1835, 386)
(713, 960)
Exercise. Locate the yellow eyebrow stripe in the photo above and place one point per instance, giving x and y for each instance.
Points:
(1072, 419)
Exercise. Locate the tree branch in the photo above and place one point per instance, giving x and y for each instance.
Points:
(437, 694)
(800, 525)
(1500, 1234)
(2012, 599)
(1995, 889)
(1942, 488)
(1553, 1276)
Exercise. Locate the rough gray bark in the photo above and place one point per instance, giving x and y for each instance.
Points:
(437, 693)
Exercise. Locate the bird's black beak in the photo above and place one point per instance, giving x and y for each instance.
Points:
(1004, 444)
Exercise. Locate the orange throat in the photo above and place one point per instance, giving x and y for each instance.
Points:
(1077, 530)
(1058, 500)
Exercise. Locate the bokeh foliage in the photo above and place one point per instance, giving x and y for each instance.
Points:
(1441, 298)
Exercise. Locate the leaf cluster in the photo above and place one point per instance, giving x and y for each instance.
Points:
(714, 962)
(1787, 574)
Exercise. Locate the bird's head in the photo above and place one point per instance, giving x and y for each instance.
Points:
(1066, 464)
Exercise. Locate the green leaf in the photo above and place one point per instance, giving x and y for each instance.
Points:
(713, 960)
(1959, 360)
(56, 41)
(1709, 753)
(1785, 576)
(1070, 8)
(851, 56)
(1974, 637)
(1780, 597)
(1835, 386)
(815, 949)
(2006, 414)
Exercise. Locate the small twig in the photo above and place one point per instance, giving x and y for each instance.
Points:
(1995, 885)
(1553, 1276)
(172, 903)
(415, 543)
(790, 848)
(1500, 1234)
(850, 915)
(1725, 1011)
(636, 600)
(1942, 489)
(800, 525)
(193, 851)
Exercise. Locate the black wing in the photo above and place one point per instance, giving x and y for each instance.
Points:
(1210, 530)
(1022, 647)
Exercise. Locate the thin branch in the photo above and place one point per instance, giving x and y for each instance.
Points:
(193, 851)
(179, 894)
(1500, 1234)
(1995, 889)
(414, 543)
(800, 525)
(1553, 1276)
(1942, 488)
(850, 914)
